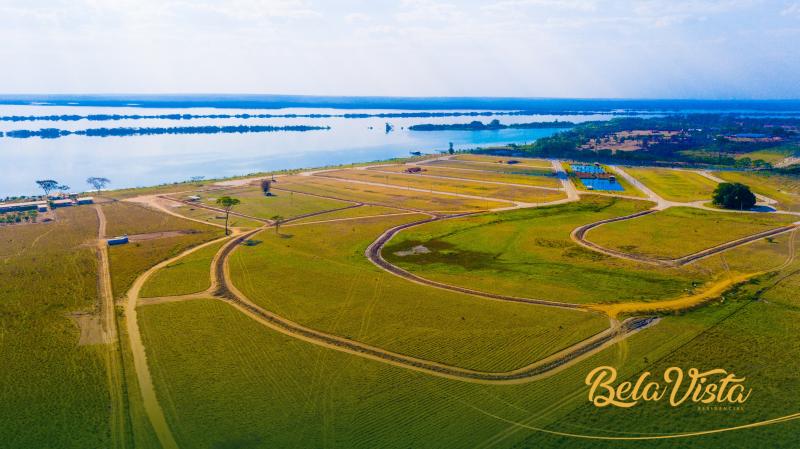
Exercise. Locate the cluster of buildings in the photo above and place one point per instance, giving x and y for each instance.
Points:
(53, 202)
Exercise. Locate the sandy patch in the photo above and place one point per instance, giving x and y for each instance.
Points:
(419, 249)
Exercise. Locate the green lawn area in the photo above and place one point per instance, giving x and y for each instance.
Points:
(539, 178)
(286, 204)
(784, 189)
(356, 212)
(318, 276)
(674, 185)
(680, 231)
(752, 339)
(54, 392)
(213, 217)
(388, 196)
(529, 253)
(523, 161)
(129, 261)
(190, 274)
(771, 155)
(503, 192)
(493, 167)
(226, 381)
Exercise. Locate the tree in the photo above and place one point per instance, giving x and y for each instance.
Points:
(63, 188)
(48, 185)
(734, 196)
(97, 183)
(227, 203)
(278, 220)
(266, 184)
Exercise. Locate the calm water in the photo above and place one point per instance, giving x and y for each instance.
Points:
(148, 160)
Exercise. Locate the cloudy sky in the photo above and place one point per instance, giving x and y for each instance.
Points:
(539, 48)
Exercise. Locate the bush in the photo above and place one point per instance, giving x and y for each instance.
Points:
(734, 196)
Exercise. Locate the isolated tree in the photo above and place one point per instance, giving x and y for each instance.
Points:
(278, 220)
(98, 183)
(266, 184)
(48, 185)
(227, 203)
(451, 150)
(734, 196)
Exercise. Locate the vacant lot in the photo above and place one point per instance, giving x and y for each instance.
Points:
(286, 204)
(540, 179)
(129, 261)
(782, 188)
(504, 192)
(679, 231)
(246, 385)
(523, 161)
(190, 274)
(750, 340)
(526, 170)
(388, 196)
(54, 392)
(529, 253)
(212, 217)
(675, 185)
(318, 276)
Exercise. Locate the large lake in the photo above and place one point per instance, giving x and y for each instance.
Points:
(148, 160)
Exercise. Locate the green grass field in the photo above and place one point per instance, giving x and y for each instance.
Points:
(674, 185)
(503, 192)
(213, 217)
(751, 338)
(771, 155)
(327, 284)
(523, 161)
(190, 274)
(54, 392)
(492, 167)
(679, 231)
(530, 253)
(784, 189)
(255, 388)
(388, 196)
(286, 204)
(129, 261)
(356, 212)
(542, 178)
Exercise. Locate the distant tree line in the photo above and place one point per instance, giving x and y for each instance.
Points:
(493, 125)
(54, 133)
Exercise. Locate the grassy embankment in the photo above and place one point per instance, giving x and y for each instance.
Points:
(129, 261)
(54, 392)
(388, 196)
(541, 177)
(679, 231)
(459, 186)
(675, 185)
(318, 276)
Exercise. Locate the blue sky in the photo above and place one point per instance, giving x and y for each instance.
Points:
(539, 48)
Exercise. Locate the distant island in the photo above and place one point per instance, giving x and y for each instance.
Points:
(493, 125)
(246, 116)
(54, 133)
